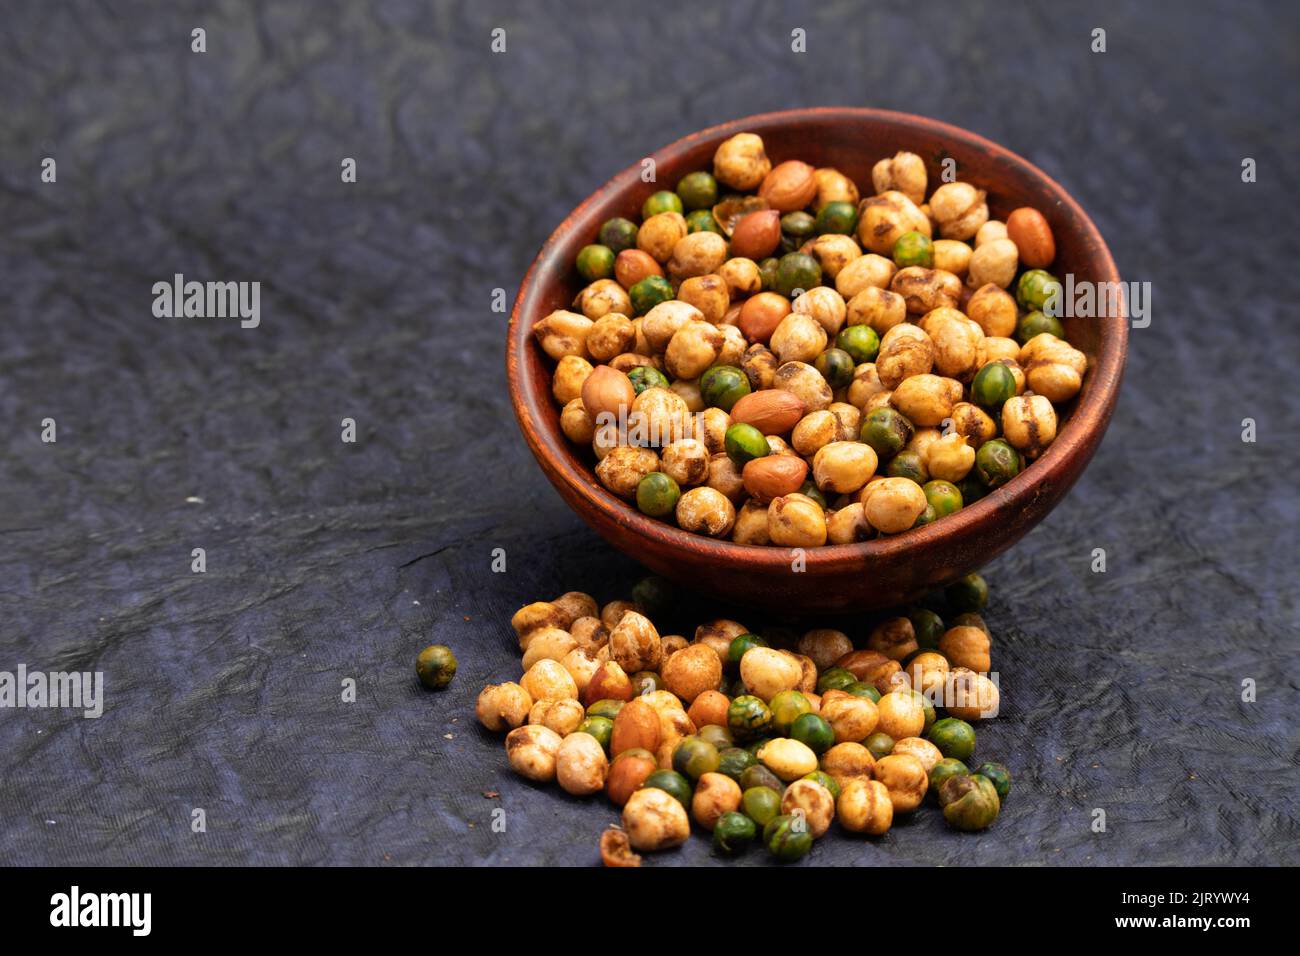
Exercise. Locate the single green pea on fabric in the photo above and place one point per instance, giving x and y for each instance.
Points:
(734, 832)
(787, 837)
(969, 802)
(672, 783)
(693, 757)
(435, 666)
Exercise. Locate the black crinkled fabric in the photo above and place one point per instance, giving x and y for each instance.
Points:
(329, 561)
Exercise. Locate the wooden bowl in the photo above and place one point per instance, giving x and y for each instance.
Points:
(837, 578)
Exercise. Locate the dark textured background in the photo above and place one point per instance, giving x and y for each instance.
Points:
(328, 561)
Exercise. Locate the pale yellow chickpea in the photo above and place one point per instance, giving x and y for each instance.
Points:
(993, 263)
(970, 696)
(950, 458)
(848, 525)
(576, 424)
(531, 751)
(726, 479)
(956, 341)
(603, 297)
(570, 373)
(787, 758)
(922, 439)
(882, 219)
(548, 680)
(866, 383)
(503, 706)
(581, 664)
(581, 765)
(798, 338)
(814, 431)
(825, 305)
(622, 469)
(952, 255)
(1029, 423)
(561, 716)
(927, 399)
(905, 778)
(834, 253)
(993, 309)
(959, 209)
(741, 162)
(1053, 367)
(708, 293)
(894, 505)
(715, 794)
(693, 348)
(801, 379)
(697, 254)
(796, 521)
(734, 345)
(901, 713)
(576, 604)
(928, 672)
(850, 419)
(634, 643)
(742, 277)
(905, 351)
(659, 235)
(904, 172)
(661, 323)
(926, 289)
(767, 671)
(843, 466)
(878, 308)
(605, 439)
(689, 391)
(868, 270)
(563, 333)
(706, 511)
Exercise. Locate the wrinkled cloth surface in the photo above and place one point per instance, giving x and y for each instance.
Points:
(329, 562)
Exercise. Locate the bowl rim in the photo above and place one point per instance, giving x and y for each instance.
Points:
(1079, 434)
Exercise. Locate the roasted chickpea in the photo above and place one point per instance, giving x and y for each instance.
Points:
(959, 209)
(924, 290)
(742, 276)
(1053, 367)
(503, 706)
(751, 524)
(801, 379)
(866, 385)
(834, 253)
(654, 820)
(849, 525)
(581, 765)
(686, 462)
(956, 342)
(901, 714)
(826, 306)
(590, 633)
(706, 511)
(926, 399)
(563, 333)
(623, 468)
(693, 348)
(741, 162)
(697, 254)
(878, 308)
(715, 794)
(973, 424)
(813, 801)
(582, 665)
(993, 263)
(603, 297)
(869, 270)
(991, 231)
(659, 235)
(905, 351)
(788, 759)
(659, 417)
(864, 806)
(951, 255)
(767, 671)
(920, 748)
(970, 696)
(966, 647)
(950, 457)
(726, 479)
(570, 373)
(610, 335)
(825, 646)
(852, 718)
(796, 521)
(833, 186)
(928, 672)
(847, 762)
(692, 671)
(894, 505)
(814, 431)
(548, 680)
(661, 323)
(634, 643)
(799, 338)
(532, 750)
(708, 293)
(895, 638)
(849, 418)
(577, 425)
(548, 643)
(884, 218)
(905, 778)
(904, 172)
(843, 466)
(710, 428)
(1029, 423)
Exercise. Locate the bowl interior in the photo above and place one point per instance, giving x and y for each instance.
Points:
(851, 140)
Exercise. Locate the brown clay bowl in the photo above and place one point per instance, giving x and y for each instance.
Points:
(839, 578)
